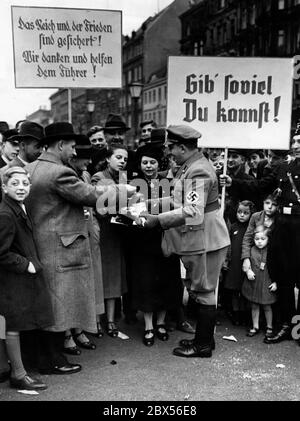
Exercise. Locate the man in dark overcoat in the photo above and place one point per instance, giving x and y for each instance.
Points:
(56, 204)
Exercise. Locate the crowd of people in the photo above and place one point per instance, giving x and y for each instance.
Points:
(72, 259)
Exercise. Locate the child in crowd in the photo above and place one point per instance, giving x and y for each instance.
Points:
(23, 296)
(265, 218)
(234, 276)
(257, 286)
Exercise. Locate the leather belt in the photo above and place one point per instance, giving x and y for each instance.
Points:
(210, 207)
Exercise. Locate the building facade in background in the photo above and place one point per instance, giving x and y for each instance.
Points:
(261, 28)
(42, 116)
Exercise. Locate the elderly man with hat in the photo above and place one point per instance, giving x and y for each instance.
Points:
(196, 231)
(115, 129)
(283, 251)
(56, 205)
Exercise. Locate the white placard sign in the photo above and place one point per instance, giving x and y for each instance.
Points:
(66, 48)
(234, 102)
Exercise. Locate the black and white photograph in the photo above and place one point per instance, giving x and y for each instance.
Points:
(149, 204)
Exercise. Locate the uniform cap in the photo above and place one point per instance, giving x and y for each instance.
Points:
(182, 134)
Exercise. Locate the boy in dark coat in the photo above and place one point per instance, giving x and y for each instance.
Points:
(23, 299)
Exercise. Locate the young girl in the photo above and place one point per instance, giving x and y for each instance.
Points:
(111, 244)
(234, 277)
(265, 218)
(258, 287)
(23, 298)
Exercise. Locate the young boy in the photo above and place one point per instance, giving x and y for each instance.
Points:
(24, 301)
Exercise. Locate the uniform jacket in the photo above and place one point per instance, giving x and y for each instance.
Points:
(24, 301)
(56, 203)
(277, 179)
(195, 225)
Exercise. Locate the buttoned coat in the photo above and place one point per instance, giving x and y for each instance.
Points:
(198, 223)
(24, 300)
(56, 203)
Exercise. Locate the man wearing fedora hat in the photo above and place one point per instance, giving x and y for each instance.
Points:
(56, 204)
(28, 137)
(115, 129)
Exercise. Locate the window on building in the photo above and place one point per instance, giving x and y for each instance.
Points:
(129, 77)
(244, 19)
(154, 116)
(150, 97)
(281, 4)
(145, 97)
(165, 92)
(281, 38)
(165, 117)
(135, 77)
(140, 72)
(129, 99)
(196, 49)
(154, 95)
(159, 118)
(188, 31)
(159, 94)
(225, 33)
(253, 15)
(298, 38)
(232, 28)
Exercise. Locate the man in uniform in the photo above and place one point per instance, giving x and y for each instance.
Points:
(283, 254)
(196, 231)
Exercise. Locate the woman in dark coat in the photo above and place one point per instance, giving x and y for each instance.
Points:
(113, 261)
(154, 277)
(24, 301)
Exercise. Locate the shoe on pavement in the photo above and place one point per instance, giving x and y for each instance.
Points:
(190, 342)
(203, 351)
(66, 369)
(27, 383)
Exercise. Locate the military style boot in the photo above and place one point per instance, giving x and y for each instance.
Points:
(203, 342)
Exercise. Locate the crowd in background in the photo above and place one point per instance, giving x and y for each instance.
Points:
(96, 266)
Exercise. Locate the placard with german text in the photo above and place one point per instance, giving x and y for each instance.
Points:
(237, 102)
(66, 48)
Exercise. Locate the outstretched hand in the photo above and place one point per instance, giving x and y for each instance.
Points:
(148, 221)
